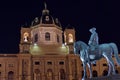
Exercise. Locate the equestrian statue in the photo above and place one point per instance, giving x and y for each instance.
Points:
(94, 51)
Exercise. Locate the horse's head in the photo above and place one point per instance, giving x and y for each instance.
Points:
(79, 46)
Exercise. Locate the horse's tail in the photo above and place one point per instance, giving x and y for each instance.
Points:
(115, 50)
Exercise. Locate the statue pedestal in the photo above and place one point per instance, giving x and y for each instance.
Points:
(111, 77)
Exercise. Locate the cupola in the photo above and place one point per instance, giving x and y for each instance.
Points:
(46, 18)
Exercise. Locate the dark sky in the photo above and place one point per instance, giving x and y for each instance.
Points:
(81, 14)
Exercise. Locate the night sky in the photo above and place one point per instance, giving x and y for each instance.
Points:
(80, 14)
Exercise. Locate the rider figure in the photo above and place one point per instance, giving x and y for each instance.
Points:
(93, 42)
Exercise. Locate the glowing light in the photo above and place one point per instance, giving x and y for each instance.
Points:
(35, 49)
(35, 44)
(65, 48)
(70, 36)
(25, 39)
(26, 35)
(65, 43)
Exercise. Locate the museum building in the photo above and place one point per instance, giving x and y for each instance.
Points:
(46, 53)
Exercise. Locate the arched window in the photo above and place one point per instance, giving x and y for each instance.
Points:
(11, 75)
(117, 72)
(25, 36)
(62, 74)
(49, 74)
(47, 36)
(36, 38)
(58, 40)
(95, 74)
(70, 38)
(105, 72)
(37, 74)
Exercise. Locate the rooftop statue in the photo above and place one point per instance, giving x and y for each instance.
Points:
(94, 51)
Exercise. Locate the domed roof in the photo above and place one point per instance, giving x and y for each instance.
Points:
(46, 18)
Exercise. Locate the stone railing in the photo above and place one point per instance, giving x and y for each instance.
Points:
(112, 77)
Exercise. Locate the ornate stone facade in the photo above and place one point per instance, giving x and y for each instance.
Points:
(43, 55)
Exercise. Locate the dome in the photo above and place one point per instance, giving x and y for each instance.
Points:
(46, 19)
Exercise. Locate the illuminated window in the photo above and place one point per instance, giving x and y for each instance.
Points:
(70, 38)
(47, 36)
(58, 40)
(26, 35)
(49, 74)
(36, 38)
(37, 74)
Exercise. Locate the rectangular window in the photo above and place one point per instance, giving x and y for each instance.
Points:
(61, 63)
(37, 63)
(104, 64)
(49, 63)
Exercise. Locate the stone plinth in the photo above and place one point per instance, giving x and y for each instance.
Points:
(112, 77)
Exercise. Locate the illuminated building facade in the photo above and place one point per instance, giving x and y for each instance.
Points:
(43, 54)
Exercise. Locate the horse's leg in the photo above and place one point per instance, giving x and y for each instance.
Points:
(108, 61)
(112, 64)
(90, 69)
(84, 67)
(109, 71)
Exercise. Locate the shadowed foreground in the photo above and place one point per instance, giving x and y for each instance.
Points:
(112, 77)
